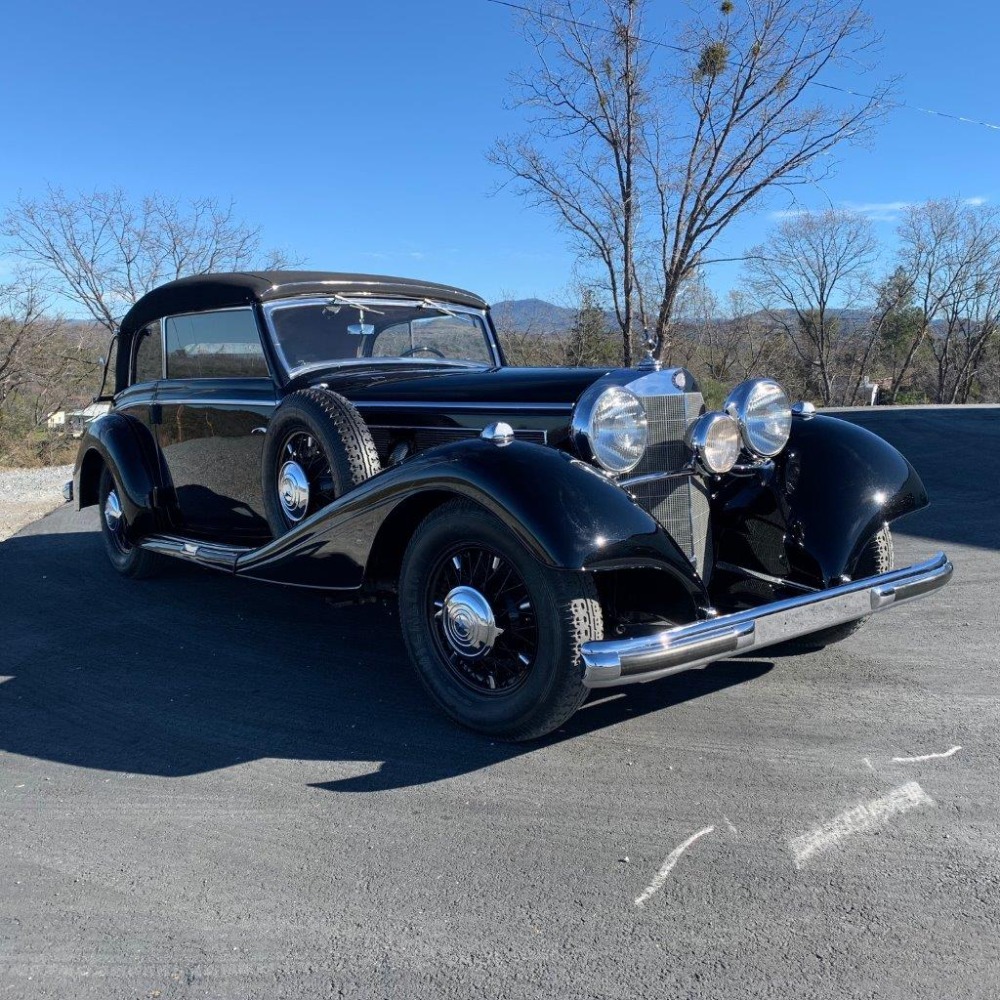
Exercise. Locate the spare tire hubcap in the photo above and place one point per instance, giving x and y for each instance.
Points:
(293, 491)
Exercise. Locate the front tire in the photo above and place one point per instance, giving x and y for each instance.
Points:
(495, 637)
(128, 559)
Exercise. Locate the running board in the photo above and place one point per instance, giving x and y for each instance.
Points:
(208, 554)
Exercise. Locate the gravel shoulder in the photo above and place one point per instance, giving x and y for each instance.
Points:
(28, 494)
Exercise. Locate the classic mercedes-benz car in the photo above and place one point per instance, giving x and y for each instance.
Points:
(545, 531)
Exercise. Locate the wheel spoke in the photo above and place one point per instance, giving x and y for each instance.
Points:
(494, 654)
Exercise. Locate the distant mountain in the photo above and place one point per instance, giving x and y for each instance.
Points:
(532, 316)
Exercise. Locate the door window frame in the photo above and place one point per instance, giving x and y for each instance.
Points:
(268, 373)
(136, 343)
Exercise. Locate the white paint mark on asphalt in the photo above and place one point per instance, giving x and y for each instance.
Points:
(857, 820)
(871, 766)
(926, 756)
(672, 858)
(732, 829)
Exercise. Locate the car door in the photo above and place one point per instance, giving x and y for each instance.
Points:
(145, 372)
(213, 408)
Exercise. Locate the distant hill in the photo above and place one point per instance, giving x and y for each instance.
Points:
(532, 316)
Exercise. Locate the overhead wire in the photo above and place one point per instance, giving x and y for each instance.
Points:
(964, 119)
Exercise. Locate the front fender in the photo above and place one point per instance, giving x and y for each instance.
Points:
(125, 446)
(832, 488)
(565, 512)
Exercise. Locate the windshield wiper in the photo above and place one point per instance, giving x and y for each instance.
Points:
(360, 304)
(440, 306)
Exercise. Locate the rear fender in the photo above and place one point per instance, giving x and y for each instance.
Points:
(126, 447)
(566, 513)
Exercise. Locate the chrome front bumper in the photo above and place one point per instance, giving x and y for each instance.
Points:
(612, 662)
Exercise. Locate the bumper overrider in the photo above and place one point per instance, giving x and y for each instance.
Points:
(609, 663)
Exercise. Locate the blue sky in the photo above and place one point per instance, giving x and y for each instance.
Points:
(355, 134)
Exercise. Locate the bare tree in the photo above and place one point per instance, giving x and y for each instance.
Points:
(590, 343)
(950, 254)
(102, 251)
(650, 164)
(812, 276)
(584, 101)
(44, 360)
(742, 343)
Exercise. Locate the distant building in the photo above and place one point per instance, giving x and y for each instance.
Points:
(75, 421)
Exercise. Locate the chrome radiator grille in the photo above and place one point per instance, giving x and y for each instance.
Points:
(668, 418)
(680, 503)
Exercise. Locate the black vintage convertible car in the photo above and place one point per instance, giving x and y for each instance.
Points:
(546, 531)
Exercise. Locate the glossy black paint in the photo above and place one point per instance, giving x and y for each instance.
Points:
(581, 521)
(187, 453)
(210, 433)
(124, 444)
(827, 494)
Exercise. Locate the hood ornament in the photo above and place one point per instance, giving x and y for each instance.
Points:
(649, 362)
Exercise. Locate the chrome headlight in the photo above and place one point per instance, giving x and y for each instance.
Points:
(715, 440)
(761, 408)
(611, 428)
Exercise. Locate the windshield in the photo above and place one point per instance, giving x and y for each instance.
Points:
(311, 333)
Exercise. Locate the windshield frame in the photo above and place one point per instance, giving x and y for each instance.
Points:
(375, 302)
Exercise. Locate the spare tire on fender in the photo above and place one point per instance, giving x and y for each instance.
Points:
(317, 448)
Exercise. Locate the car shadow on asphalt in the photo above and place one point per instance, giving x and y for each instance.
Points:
(193, 671)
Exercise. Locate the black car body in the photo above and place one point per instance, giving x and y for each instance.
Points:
(546, 530)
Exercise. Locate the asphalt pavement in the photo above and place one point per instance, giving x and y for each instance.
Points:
(214, 788)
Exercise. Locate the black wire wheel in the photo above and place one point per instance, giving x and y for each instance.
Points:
(495, 636)
(126, 557)
(317, 448)
(305, 480)
(487, 631)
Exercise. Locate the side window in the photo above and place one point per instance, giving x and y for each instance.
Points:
(214, 345)
(148, 355)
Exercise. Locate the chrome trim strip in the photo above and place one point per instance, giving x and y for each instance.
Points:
(654, 477)
(753, 574)
(210, 401)
(203, 553)
(608, 663)
(469, 432)
(361, 405)
(447, 407)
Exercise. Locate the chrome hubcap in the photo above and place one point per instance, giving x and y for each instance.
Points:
(293, 491)
(468, 622)
(113, 513)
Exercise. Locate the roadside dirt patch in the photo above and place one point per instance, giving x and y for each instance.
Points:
(28, 494)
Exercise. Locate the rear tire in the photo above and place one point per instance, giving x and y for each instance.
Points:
(876, 557)
(127, 558)
(514, 668)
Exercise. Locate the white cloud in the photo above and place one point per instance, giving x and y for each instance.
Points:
(879, 211)
(976, 201)
(876, 211)
(877, 207)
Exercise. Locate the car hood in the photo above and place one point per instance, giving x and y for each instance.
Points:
(500, 388)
